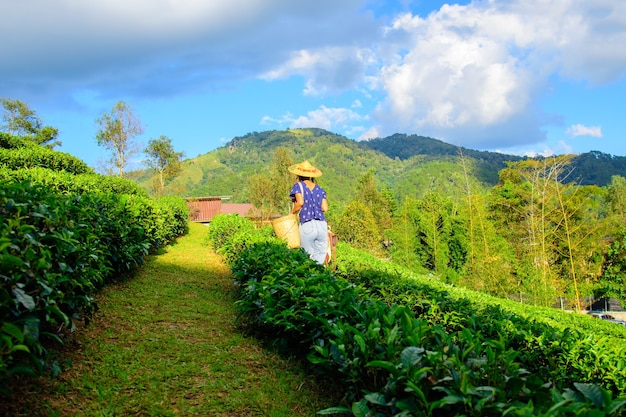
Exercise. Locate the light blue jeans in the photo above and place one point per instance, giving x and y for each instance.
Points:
(314, 239)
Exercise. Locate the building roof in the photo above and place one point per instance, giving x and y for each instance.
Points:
(243, 209)
(203, 209)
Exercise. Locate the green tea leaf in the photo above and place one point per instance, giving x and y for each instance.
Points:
(26, 300)
(13, 331)
(591, 392)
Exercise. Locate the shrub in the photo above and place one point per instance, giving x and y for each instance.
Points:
(66, 182)
(37, 156)
(224, 226)
(56, 251)
(8, 141)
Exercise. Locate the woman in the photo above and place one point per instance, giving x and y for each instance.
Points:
(310, 200)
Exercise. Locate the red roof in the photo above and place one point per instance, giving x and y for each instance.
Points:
(205, 208)
(243, 209)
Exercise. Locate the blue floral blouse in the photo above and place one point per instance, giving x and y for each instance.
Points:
(312, 207)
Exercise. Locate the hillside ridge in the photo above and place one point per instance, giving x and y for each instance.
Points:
(406, 164)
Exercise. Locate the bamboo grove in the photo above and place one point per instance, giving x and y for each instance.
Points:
(536, 237)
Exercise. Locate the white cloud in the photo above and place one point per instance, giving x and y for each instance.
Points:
(582, 130)
(327, 70)
(327, 118)
(336, 119)
(370, 133)
(545, 153)
(475, 73)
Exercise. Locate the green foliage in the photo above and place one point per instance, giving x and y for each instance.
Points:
(616, 201)
(564, 344)
(407, 146)
(163, 159)
(613, 282)
(174, 215)
(269, 191)
(18, 119)
(367, 217)
(8, 141)
(428, 233)
(62, 238)
(224, 226)
(597, 168)
(116, 130)
(555, 230)
(408, 346)
(50, 265)
(66, 182)
(36, 156)
(357, 226)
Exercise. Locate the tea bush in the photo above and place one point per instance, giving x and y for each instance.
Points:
(63, 236)
(224, 226)
(69, 183)
(24, 155)
(8, 141)
(560, 347)
(409, 357)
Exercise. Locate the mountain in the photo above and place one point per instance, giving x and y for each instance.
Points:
(597, 168)
(408, 165)
(407, 146)
(591, 168)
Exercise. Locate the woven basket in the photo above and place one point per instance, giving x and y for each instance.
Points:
(286, 228)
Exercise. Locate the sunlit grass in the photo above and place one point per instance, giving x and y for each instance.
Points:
(165, 344)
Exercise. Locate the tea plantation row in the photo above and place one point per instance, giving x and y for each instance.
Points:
(404, 345)
(64, 234)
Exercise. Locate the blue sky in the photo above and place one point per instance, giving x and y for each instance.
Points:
(516, 76)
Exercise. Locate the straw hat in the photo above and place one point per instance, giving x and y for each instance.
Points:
(305, 169)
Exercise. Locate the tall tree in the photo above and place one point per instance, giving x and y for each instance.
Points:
(524, 209)
(379, 203)
(282, 179)
(556, 228)
(613, 282)
(435, 229)
(357, 227)
(488, 265)
(116, 131)
(373, 205)
(162, 157)
(260, 194)
(405, 244)
(20, 120)
(580, 240)
(616, 198)
(269, 191)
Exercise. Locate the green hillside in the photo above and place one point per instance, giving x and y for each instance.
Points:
(486, 164)
(226, 170)
(409, 165)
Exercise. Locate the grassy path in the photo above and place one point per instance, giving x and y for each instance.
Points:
(164, 344)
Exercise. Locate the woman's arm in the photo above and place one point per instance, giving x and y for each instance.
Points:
(298, 203)
(324, 205)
